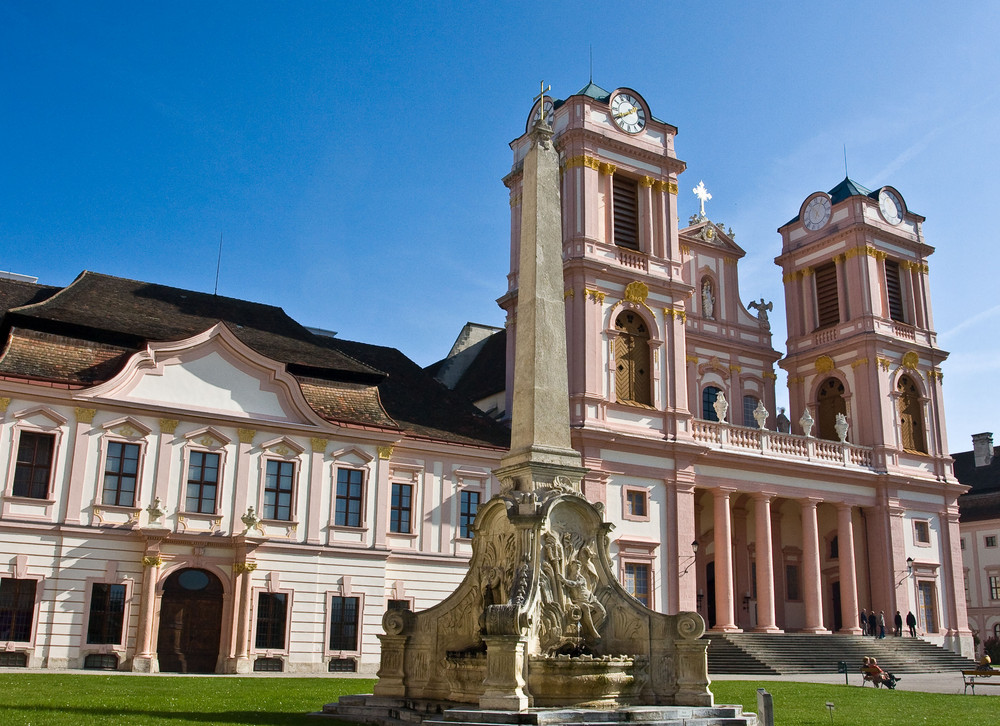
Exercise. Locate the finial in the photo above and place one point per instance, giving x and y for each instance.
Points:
(702, 193)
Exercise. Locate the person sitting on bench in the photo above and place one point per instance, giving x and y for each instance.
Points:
(985, 663)
(876, 675)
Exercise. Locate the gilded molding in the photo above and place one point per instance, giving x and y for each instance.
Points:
(859, 362)
(84, 415)
(240, 567)
(385, 452)
(735, 368)
(515, 200)
(246, 435)
(807, 271)
(647, 182)
(883, 363)
(676, 313)
(152, 561)
(661, 186)
(569, 293)
(839, 259)
(168, 425)
(595, 295)
(796, 379)
(607, 169)
(824, 364)
(4, 403)
(636, 292)
(672, 187)
(691, 359)
(770, 375)
(853, 252)
(318, 444)
(938, 375)
(685, 249)
(911, 360)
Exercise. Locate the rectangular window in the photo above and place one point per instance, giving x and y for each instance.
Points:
(749, 406)
(278, 489)
(34, 465)
(962, 543)
(990, 540)
(636, 499)
(967, 596)
(894, 291)
(469, 505)
(121, 472)
(626, 210)
(792, 582)
(994, 587)
(107, 613)
(637, 577)
(271, 617)
(350, 492)
(17, 609)
(203, 482)
(827, 297)
(344, 623)
(922, 532)
(400, 508)
(398, 605)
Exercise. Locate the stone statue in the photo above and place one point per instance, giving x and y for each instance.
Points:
(721, 406)
(155, 510)
(841, 427)
(586, 607)
(806, 422)
(762, 309)
(760, 414)
(784, 425)
(707, 299)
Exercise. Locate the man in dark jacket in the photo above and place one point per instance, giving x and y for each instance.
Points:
(872, 625)
(898, 622)
(911, 623)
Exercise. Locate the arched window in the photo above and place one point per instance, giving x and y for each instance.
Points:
(829, 403)
(708, 397)
(911, 419)
(632, 360)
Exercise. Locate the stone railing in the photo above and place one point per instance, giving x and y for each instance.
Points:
(633, 260)
(785, 446)
(827, 335)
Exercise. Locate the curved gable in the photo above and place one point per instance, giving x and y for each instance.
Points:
(212, 373)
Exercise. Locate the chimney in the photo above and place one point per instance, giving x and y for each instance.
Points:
(982, 448)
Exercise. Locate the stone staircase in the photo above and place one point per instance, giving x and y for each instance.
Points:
(392, 712)
(787, 653)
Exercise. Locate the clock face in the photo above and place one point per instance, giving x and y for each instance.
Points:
(817, 213)
(891, 207)
(536, 114)
(628, 113)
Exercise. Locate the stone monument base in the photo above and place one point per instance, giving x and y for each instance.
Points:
(405, 712)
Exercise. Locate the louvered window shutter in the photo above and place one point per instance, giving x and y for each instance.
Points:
(827, 302)
(626, 211)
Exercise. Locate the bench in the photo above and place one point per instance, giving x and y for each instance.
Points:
(971, 679)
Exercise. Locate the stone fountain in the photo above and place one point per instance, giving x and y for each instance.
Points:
(540, 620)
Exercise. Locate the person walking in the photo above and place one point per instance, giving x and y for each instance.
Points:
(911, 623)
(881, 624)
(864, 621)
(871, 624)
(898, 623)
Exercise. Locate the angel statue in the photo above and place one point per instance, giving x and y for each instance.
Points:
(762, 309)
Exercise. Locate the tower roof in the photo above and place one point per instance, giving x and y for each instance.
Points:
(847, 188)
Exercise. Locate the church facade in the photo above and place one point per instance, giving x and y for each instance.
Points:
(200, 484)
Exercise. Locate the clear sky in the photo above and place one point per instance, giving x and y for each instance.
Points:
(350, 154)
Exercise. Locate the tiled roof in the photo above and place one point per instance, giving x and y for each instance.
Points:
(84, 333)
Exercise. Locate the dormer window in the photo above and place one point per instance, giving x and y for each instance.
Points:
(626, 211)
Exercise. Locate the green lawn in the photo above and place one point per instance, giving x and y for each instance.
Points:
(94, 700)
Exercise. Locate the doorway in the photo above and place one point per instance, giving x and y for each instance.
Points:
(190, 622)
(710, 593)
(838, 620)
(927, 606)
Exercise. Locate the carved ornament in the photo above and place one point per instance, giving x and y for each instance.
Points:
(168, 425)
(676, 313)
(770, 375)
(884, 363)
(938, 375)
(647, 182)
(691, 359)
(636, 292)
(246, 435)
(859, 362)
(607, 169)
(83, 415)
(385, 452)
(240, 567)
(911, 360)
(824, 364)
(595, 295)
(735, 368)
(152, 561)
(4, 403)
(570, 292)
(318, 444)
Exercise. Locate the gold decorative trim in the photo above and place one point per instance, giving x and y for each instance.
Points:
(672, 187)
(240, 567)
(859, 362)
(839, 259)
(807, 271)
(246, 435)
(691, 358)
(636, 292)
(126, 431)
(515, 199)
(83, 415)
(152, 561)
(824, 364)
(883, 363)
(318, 444)
(607, 169)
(853, 252)
(735, 368)
(206, 440)
(877, 254)
(770, 375)
(647, 182)
(729, 260)
(569, 293)
(168, 425)
(911, 360)
(685, 249)
(595, 295)
(4, 403)
(797, 379)
(385, 452)
(676, 313)
(935, 374)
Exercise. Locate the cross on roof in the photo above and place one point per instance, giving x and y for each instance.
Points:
(541, 97)
(702, 193)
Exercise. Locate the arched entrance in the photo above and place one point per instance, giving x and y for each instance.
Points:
(190, 622)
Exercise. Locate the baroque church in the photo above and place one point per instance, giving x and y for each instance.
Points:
(196, 483)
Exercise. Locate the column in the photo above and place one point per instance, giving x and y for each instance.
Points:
(765, 565)
(724, 615)
(848, 572)
(145, 659)
(244, 573)
(953, 584)
(812, 586)
(682, 569)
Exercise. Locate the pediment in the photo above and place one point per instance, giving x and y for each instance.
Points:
(208, 436)
(41, 416)
(353, 455)
(213, 373)
(283, 446)
(710, 234)
(128, 427)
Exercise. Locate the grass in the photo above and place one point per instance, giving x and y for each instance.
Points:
(37, 699)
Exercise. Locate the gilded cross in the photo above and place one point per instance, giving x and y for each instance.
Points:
(541, 97)
(702, 193)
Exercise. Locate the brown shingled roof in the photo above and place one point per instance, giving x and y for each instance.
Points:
(39, 355)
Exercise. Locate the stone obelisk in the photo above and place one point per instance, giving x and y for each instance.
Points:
(540, 448)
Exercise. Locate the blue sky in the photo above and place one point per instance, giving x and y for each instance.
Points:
(350, 154)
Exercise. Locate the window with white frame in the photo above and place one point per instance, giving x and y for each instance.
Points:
(994, 587)
(121, 474)
(401, 508)
(202, 490)
(33, 471)
(922, 532)
(990, 540)
(349, 506)
(17, 609)
(107, 614)
(279, 489)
